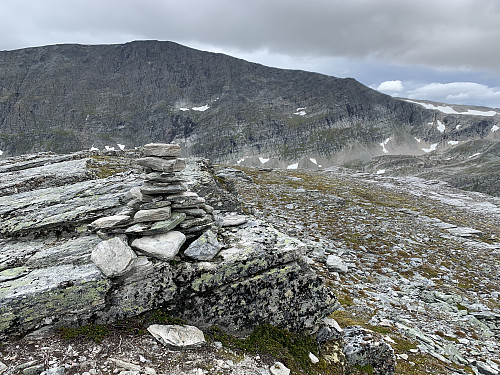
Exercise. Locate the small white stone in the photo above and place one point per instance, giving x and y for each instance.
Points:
(313, 358)
(335, 264)
(177, 336)
(279, 369)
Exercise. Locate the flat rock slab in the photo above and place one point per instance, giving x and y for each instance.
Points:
(162, 165)
(187, 199)
(69, 205)
(154, 204)
(205, 247)
(154, 214)
(161, 246)
(177, 336)
(162, 188)
(162, 149)
(158, 227)
(35, 299)
(464, 231)
(54, 173)
(113, 257)
(163, 177)
(234, 220)
(109, 221)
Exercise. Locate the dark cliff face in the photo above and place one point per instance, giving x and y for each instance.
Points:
(70, 97)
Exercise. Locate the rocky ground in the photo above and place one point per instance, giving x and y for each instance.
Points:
(415, 259)
(119, 352)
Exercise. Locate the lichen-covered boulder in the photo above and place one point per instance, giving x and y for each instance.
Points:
(364, 347)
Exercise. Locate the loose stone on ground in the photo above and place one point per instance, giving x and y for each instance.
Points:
(177, 336)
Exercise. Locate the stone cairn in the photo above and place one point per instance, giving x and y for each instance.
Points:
(160, 215)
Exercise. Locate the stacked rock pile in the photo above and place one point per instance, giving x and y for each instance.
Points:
(162, 204)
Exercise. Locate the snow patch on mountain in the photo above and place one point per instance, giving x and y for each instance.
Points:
(453, 142)
(440, 126)
(383, 145)
(263, 160)
(293, 166)
(432, 148)
(201, 109)
(494, 128)
(300, 111)
(451, 111)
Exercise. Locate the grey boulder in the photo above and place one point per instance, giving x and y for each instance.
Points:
(161, 246)
(205, 247)
(113, 257)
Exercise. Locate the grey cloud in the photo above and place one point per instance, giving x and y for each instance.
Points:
(458, 93)
(449, 33)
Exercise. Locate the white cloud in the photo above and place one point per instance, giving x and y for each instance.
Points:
(390, 86)
(458, 93)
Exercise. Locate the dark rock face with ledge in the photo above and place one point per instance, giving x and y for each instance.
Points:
(52, 240)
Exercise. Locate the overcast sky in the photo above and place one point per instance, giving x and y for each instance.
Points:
(441, 50)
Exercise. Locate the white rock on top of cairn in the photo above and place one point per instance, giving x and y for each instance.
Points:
(171, 150)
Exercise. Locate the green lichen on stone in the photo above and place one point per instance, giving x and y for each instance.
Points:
(8, 287)
(11, 273)
(228, 272)
(203, 279)
(29, 312)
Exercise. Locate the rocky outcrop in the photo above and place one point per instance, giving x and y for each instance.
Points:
(99, 250)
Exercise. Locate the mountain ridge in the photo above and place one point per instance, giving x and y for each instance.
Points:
(69, 97)
(52, 89)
